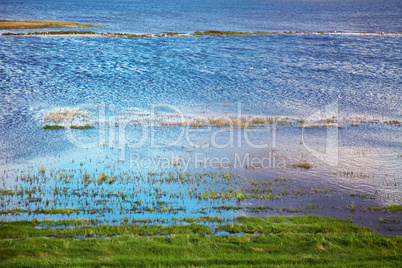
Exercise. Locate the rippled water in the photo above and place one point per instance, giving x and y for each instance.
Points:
(291, 76)
(271, 75)
(154, 16)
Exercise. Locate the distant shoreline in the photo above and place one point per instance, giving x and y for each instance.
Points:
(42, 24)
(197, 33)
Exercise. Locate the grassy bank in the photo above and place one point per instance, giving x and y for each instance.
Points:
(287, 241)
(41, 24)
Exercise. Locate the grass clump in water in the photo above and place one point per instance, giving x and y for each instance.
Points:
(104, 178)
(304, 165)
(203, 219)
(82, 127)
(53, 127)
(393, 208)
(227, 33)
(72, 127)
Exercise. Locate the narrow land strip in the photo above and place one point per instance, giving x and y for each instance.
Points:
(41, 24)
(197, 33)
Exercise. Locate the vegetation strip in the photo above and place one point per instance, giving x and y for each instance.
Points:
(288, 241)
(41, 24)
(62, 127)
(196, 33)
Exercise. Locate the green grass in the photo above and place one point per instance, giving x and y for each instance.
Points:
(293, 241)
(172, 33)
(29, 229)
(41, 24)
(304, 165)
(72, 127)
(82, 127)
(6, 192)
(203, 219)
(13, 211)
(53, 127)
(393, 208)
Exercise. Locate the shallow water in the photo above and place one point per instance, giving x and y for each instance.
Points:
(129, 86)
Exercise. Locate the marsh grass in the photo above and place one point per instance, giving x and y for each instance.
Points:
(74, 117)
(40, 24)
(355, 124)
(393, 208)
(82, 127)
(67, 33)
(65, 114)
(321, 126)
(228, 33)
(157, 197)
(393, 122)
(203, 219)
(285, 241)
(229, 121)
(63, 127)
(304, 165)
(53, 127)
(42, 169)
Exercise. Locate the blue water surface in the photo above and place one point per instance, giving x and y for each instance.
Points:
(274, 75)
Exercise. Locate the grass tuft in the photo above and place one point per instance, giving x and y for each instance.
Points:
(53, 127)
(82, 127)
(304, 165)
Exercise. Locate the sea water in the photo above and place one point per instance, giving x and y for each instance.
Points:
(287, 76)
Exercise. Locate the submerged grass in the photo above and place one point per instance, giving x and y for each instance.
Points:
(293, 241)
